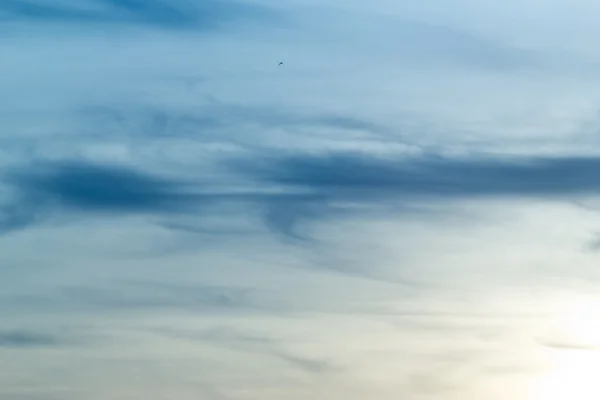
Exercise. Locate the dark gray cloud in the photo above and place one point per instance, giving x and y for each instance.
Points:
(362, 176)
(308, 186)
(102, 187)
(43, 189)
(24, 338)
(170, 14)
(330, 180)
(98, 187)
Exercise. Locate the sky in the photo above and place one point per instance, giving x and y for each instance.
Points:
(408, 207)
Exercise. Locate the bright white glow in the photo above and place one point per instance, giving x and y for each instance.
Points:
(573, 375)
(575, 361)
(582, 323)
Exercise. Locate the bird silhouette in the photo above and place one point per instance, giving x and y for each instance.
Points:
(280, 62)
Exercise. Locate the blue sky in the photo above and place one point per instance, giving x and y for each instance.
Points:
(406, 208)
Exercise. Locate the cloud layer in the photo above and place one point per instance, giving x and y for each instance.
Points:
(291, 187)
(404, 209)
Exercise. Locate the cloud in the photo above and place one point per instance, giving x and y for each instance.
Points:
(363, 176)
(353, 182)
(140, 295)
(592, 245)
(306, 364)
(149, 295)
(173, 14)
(234, 339)
(564, 345)
(291, 188)
(212, 119)
(275, 220)
(46, 188)
(562, 342)
(282, 214)
(97, 187)
(24, 338)
(49, 393)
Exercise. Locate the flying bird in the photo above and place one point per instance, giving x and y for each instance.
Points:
(280, 62)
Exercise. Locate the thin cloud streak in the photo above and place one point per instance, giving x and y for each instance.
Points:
(172, 15)
(28, 339)
(363, 175)
(261, 345)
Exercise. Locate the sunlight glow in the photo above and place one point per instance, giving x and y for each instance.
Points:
(575, 359)
(582, 323)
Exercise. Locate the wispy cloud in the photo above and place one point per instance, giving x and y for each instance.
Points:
(213, 120)
(149, 295)
(562, 344)
(141, 296)
(235, 340)
(26, 339)
(176, 14)
(394, 212)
